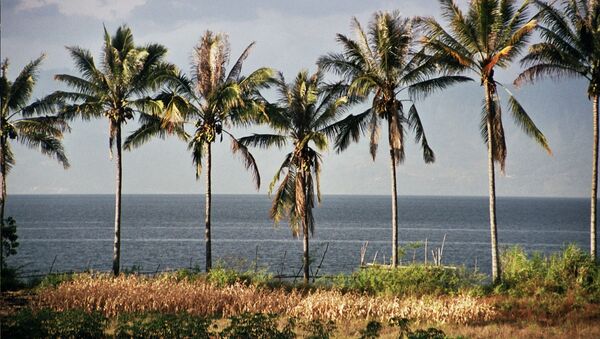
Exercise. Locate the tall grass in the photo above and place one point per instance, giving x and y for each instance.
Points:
(167, 294)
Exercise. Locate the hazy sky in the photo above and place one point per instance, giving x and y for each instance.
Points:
(290, 36)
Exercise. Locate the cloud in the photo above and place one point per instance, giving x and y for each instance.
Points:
(100, 9)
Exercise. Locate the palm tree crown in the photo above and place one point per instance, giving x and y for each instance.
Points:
(302, 115)
(570, 44)
(212, 101)
(384, 62)
(570, 47)
(24, 122)
(490, 35)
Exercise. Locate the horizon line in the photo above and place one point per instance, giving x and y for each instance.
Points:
(328, 194)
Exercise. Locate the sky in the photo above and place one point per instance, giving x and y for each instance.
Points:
(290, 36)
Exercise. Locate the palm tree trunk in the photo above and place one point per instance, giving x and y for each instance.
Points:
(2, 194)
(207, 239)
(594, 182)
(119, 185)
(305, 248)
(394, 205)
(492, 188)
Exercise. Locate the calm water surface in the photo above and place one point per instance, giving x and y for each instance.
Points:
(166, 231)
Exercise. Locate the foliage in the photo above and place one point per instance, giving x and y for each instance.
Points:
(46, 323)
(571, 270)
(159, 325)
(10, 278)
(569, 45)
(405, 332)
(372, 330)
(258, 325)
(26, 123)
(10, 275)
(53, 280)
(317, 329)
(415, 279)
(222, 276)
(9, 238)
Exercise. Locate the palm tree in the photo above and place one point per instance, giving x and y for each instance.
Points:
(116, 91)
(302, 115)
(570, 47)
(25, 124)
(490, 35)
(383, 62)
(212, 101)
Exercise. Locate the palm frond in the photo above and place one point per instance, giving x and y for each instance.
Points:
(415, 122)
(264, 140)
(249, 162)
(422, 89)
(523, 120)
(47, 144)
(152, 126)
(22, 87)
(196, 145)
(235, 71)
(348, 129)
(374, 132)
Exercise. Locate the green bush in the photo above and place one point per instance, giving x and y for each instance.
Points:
(569, 270)
(53, 280)
(257, 325)
(372, 330)
(75, 324)
(10, 278)
(415, 279)
(158, 325)
(317, 329)
(222, 276)
(50, 324)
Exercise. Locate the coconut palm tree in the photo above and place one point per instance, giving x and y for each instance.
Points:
(116, 90)
(489, 36)
(384, 63)
(26, 124)
(211, 101)
(305, 109)
(570, 47)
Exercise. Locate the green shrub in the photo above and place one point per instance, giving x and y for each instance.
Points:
(10, 278)
(222, 276)
(257, 325)
(569, 270)
(317, 329)
(25, 324)
(415, 279)
(53, 280)
(372, 330)
(158, 325)
(430, 333)
(75, 324)
(47, 323)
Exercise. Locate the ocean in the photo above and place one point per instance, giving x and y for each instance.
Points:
(161, 232)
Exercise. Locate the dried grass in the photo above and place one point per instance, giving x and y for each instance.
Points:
(131, 293)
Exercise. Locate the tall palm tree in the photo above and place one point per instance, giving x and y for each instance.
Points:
(212, 101)
(384, 63)
(490, 35)
(117, 90)
(26, 124)
(570, 47)
(302, 115)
